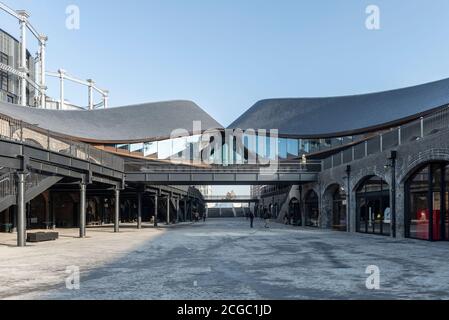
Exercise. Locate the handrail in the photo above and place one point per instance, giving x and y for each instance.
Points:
(32, 135)
(310, 166)
(395, 137)
(224, 197)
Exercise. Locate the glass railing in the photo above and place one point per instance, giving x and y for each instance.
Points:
(14, 130)
(413, 131)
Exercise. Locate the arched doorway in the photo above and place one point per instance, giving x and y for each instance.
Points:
(275, 211)
(373, 207)
(294, 212)
(312, 209)
(66, 210)
(339, 205)
(427, 203)
(36, 215)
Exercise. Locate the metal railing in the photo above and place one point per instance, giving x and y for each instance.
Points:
(225, 198)
(7, 185)
(14, 130)
(280, 168)
(413, 131)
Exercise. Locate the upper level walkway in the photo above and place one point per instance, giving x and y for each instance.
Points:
(24, 147)
(169, 174)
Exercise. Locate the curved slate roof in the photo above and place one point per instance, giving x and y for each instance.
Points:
(347, 115)
(137, 123)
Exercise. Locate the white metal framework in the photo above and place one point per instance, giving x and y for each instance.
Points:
(41, 87)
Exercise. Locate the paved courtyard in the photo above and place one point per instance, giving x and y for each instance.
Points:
(223, 259)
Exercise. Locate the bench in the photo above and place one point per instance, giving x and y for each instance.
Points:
(42, 236)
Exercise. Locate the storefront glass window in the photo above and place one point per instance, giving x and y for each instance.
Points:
(373, 207)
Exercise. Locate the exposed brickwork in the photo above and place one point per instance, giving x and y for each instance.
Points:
(410, 157)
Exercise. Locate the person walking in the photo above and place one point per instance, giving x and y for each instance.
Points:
(251, 219)
(267, 218)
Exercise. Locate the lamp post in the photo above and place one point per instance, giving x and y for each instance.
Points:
(348, 199)
(392, 157)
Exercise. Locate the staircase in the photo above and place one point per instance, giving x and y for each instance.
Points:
(35, 185)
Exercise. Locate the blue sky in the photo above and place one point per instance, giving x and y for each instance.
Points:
(227, 54)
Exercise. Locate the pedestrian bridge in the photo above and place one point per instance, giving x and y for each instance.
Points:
(168, 174)
(235, 199)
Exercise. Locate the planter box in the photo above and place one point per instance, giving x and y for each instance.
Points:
(42, 236)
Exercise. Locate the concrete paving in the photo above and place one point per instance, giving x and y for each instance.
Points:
(224, 259)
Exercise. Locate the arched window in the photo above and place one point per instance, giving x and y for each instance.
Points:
(427, 205)
(339, 204)
(294, 212)
(311, 209)
(373, 207)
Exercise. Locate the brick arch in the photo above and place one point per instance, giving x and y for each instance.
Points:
(359, 179)
(306, 191)
(326, 187)
(327, 202)
(421, 159)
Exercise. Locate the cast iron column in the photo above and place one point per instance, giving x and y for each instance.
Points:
(139, 210)
(168, 209)
(177, 210)
(155, 210)
(117, 211)
(83, 210)
(21, 210)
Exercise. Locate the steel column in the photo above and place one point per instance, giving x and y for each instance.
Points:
(105, 99)
(139, 210)
(117, 211)
(21, 210)
(168, 209)
(177, 210)
(43, 84)
(23, 55)
(83, 188)
(61, 89)
(91, 94)
(155, 210)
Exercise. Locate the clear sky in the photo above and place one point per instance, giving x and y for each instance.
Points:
(227, 54)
